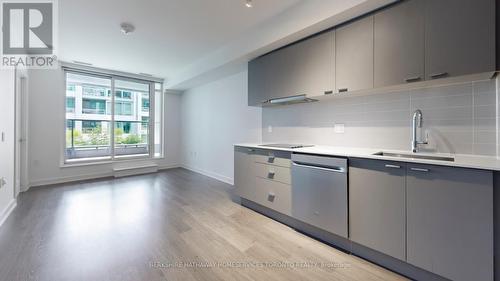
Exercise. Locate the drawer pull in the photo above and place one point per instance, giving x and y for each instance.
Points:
(420, 170)
(438, 75)
(328, 92)
(271, 174)
(392, 166)
(270, 197)
(413, 79)
(343, 90)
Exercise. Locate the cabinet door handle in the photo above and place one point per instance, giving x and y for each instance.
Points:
(413, 79)
(438, 75)
(343, 90)
(420, 170)
(271, 196)
(392, 166)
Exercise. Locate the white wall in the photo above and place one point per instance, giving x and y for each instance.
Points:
(46, 98)
(7, 116)
(214, 117)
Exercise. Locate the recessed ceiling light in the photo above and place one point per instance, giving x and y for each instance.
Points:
(249, 4)
(127, 28)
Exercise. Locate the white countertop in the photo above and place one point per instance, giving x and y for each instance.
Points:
(461, 160)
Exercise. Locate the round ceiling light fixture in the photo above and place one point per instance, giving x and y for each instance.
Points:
(249, 4)
(127, 28)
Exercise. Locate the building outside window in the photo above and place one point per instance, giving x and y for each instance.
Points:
(70, 104)
(91, 106)
(96, 91)
(89, 127)
(145, 103)
(90, 115)
(123, 108)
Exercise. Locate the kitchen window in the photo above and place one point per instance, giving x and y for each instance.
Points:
(102, 126)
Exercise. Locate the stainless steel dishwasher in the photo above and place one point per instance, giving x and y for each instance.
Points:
(319, 192)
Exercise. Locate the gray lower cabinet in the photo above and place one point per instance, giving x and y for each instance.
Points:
(399, 44)
(450, 221)
(354, 55)
(274, 195)
(459, 37)
(377, 211)
(244, 176)
(263, 176)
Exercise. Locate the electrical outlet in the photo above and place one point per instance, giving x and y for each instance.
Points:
(339, 128)
(269, 129)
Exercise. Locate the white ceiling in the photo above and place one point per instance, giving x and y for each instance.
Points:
(191, 42)
(169, 35)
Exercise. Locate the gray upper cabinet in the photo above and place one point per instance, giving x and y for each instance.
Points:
(410, 41)
(459, 37)
(399, 44)
(278, 73)
(354, 55)
(257, 72)
(304, 68)
(377, 211)
(450, 221)
(311, 66)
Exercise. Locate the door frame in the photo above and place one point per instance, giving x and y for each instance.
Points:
(21, 161)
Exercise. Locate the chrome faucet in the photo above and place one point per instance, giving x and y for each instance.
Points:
(417, 123)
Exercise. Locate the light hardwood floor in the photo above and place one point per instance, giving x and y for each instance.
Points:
(173, 225)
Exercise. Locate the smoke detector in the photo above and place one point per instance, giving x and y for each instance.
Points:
(127, 28)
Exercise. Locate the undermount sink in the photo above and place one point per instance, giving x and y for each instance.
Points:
(415, 156)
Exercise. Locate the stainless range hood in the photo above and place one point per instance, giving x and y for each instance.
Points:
(288, 100)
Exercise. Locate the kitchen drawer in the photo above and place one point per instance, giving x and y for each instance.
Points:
(274, 195)
(275, 173)
(278, 158)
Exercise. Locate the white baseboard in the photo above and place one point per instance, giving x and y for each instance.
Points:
(51, 181)
(167, 167)
(213, 175)
(7, 211)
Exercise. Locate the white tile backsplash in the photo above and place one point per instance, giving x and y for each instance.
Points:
(460, 118)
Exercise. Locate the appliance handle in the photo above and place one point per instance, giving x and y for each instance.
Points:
(332, 169)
